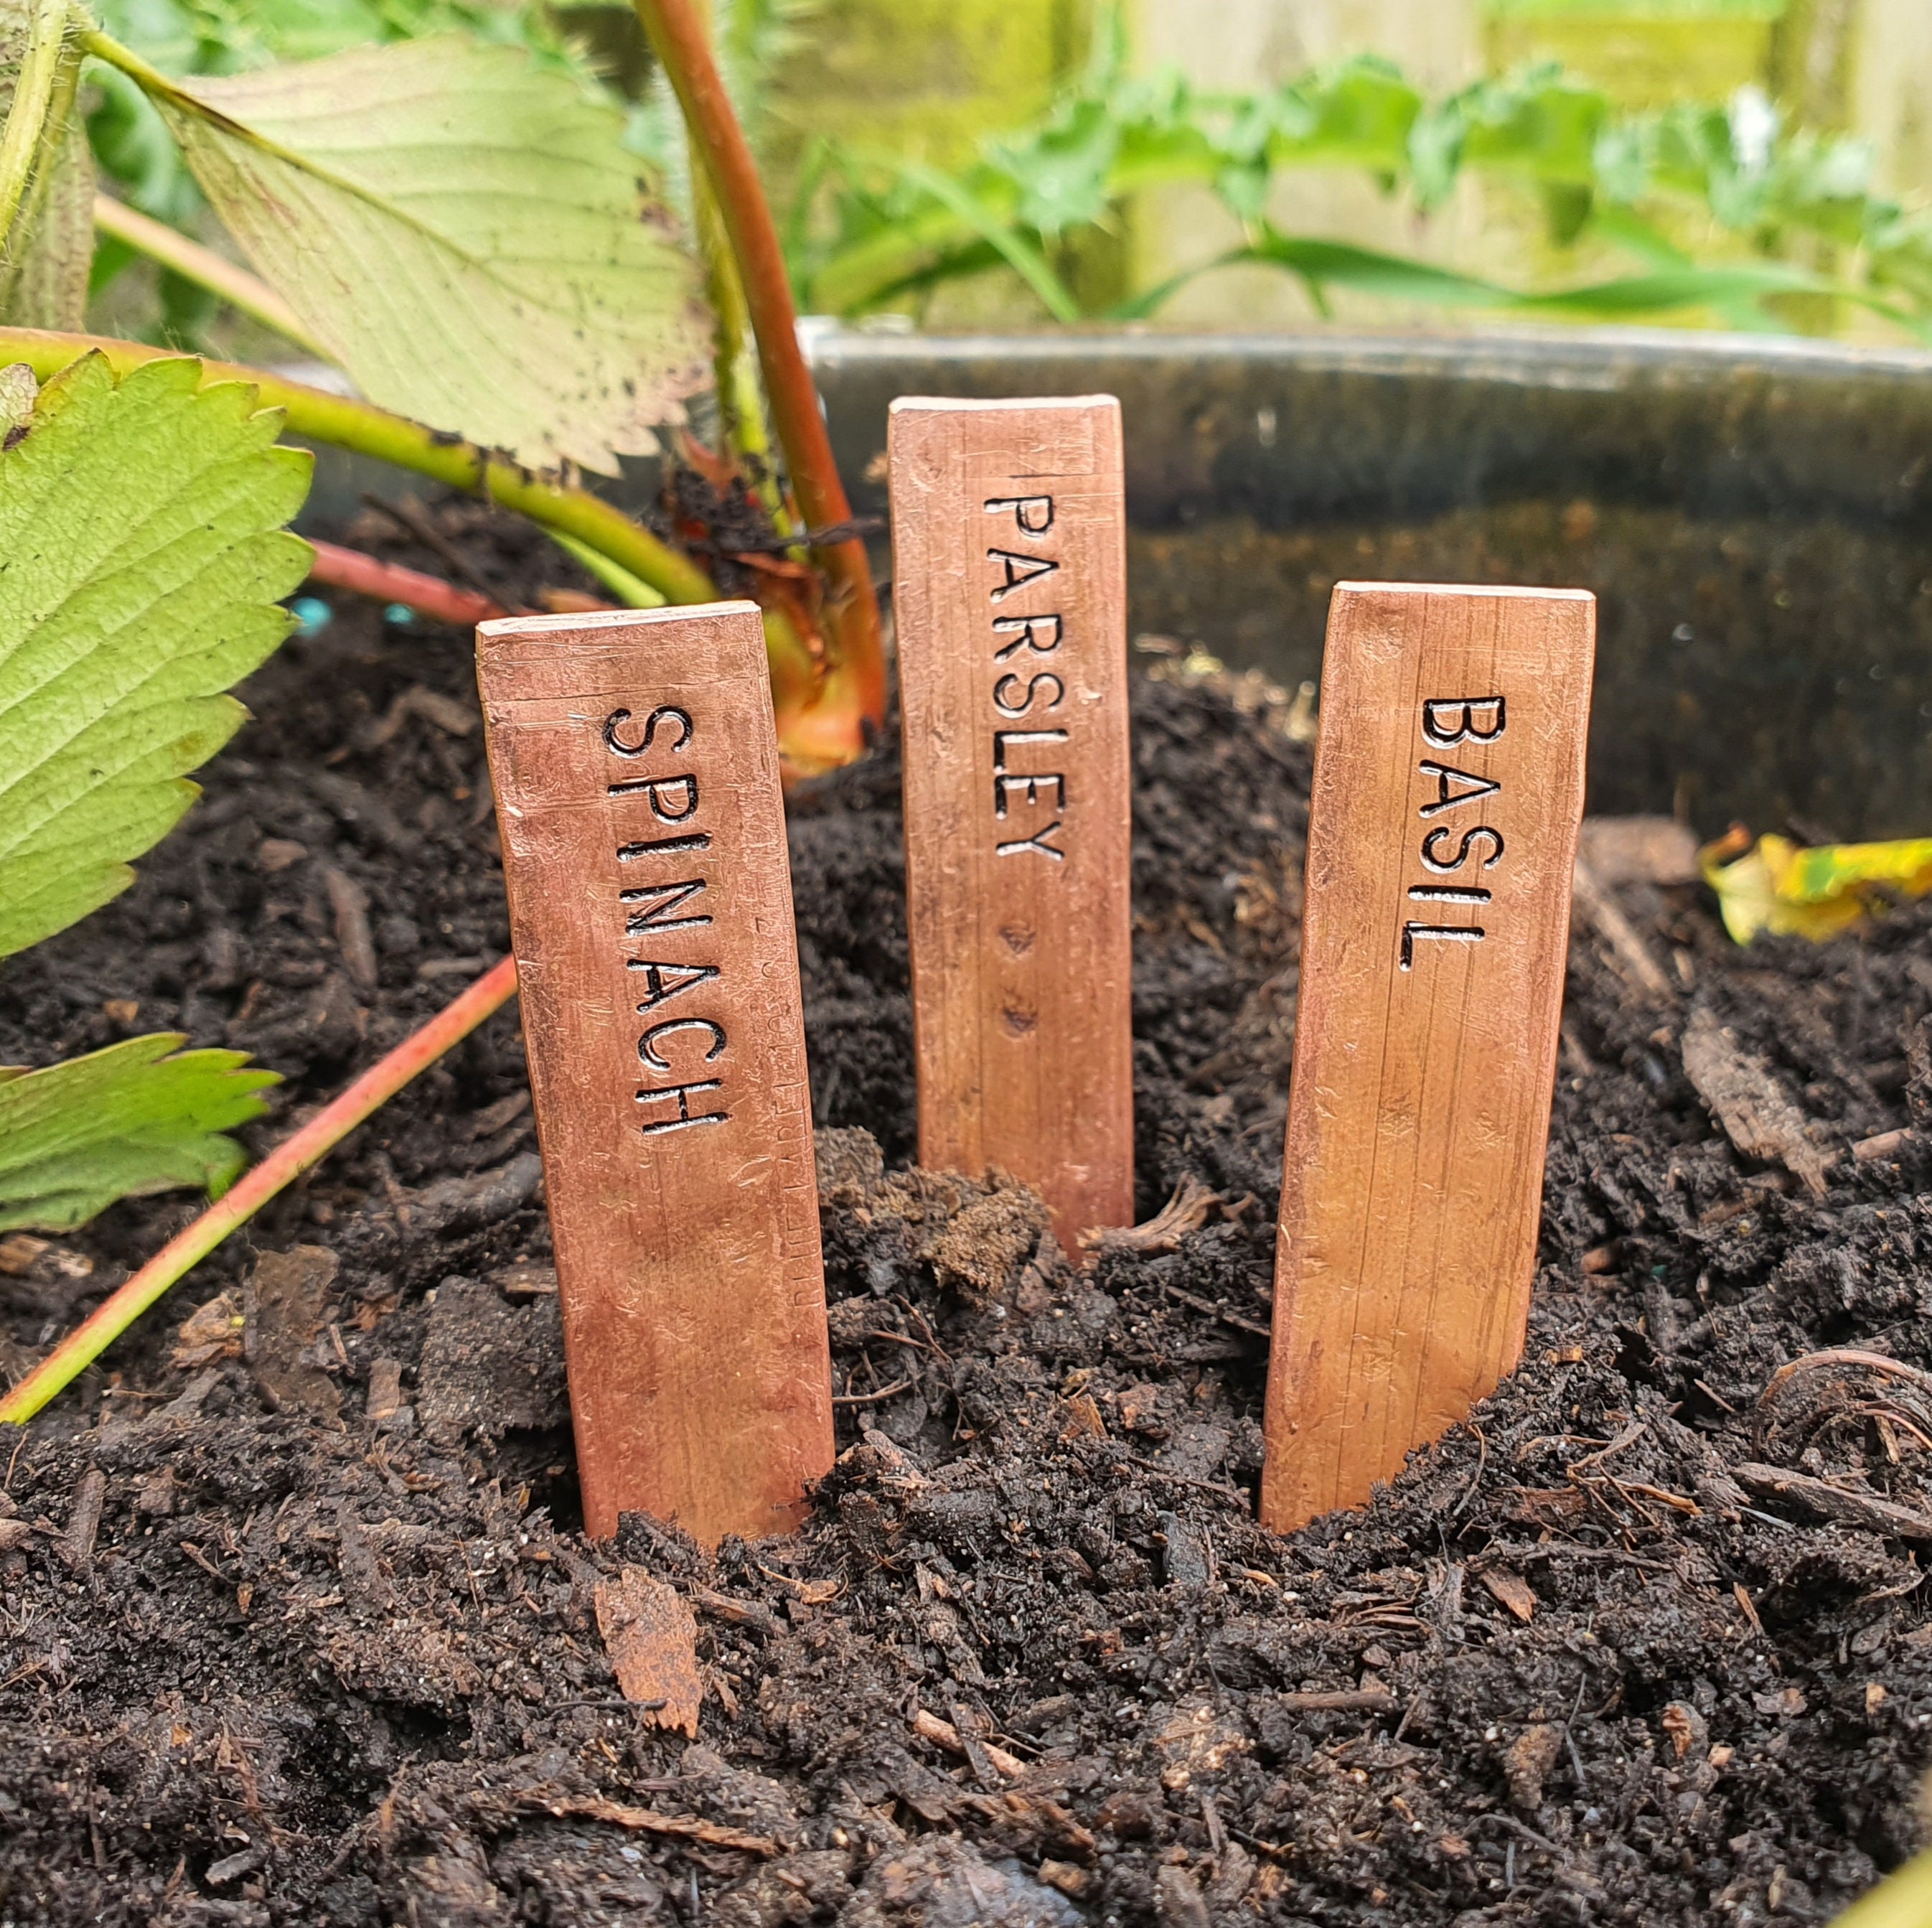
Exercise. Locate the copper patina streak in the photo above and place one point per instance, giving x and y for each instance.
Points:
(1013, 685)
(666, 1040)
(1419, 1109)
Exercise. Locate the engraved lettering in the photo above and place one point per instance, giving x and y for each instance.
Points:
(663, 982)
(628, 853)
(1038, 841)
(647, 1045)
(1447, 720)
(1448, 932)
(1028, 784)
(661, 792)
(1002, 699)
(1029, 630)
(1446, 799)
(653, 910)
(1466, 731)
(1033, 515)
(659, 900)
(618, 718)
(1001, 738)
(1017, 694)
(1019, 570)
(1432, 860)
(685, 1115)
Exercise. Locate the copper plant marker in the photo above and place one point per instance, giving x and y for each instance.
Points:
(637, 783)
(1442, 835)
(1010, 564)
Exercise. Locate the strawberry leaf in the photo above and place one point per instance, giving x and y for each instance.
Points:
(141, 554)
(141, 1116)
(465, 233)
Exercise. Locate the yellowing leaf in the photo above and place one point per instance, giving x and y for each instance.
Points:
(142, 556)
(1814, 891)
(140, 1116)
(465, 234)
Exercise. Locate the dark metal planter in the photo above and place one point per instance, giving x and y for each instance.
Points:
(1755, 515)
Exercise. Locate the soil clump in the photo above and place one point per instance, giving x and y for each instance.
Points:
(297, 1625)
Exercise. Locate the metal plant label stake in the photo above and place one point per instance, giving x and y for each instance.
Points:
(637, 782)
(1442, 835)
(1010, 567)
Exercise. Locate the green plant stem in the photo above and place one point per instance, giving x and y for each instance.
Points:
(633, 593)
(280, 1169)
(856, 657)
(739, 427)
(205, 268)
(26, 119)
(45, 177)
(741, 407)
(150, 78)
(350, 424)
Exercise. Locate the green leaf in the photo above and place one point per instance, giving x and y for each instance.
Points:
(141, 1116)
(1341, 264)
(1566, 209)
(1730, 179)
(1014, 246)
(1360, 114)
(1396, 278)
(141, 554)
(465, 233)
(1062, 171)
(131, 143)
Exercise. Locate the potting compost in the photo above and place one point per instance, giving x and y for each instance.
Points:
(297, 1624)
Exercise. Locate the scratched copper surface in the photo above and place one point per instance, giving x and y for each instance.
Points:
(1442, 833)
(637, 784)
(1009, 593)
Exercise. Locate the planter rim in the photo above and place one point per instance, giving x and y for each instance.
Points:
(1597, 357)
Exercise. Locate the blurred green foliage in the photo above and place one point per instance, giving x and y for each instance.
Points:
(1719, 210)
(1709, 204)
(225, 36)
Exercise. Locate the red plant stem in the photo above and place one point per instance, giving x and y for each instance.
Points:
(281, 1168)
(389, 582)
(676, 32)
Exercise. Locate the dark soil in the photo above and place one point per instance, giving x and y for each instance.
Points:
(296, 1625)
